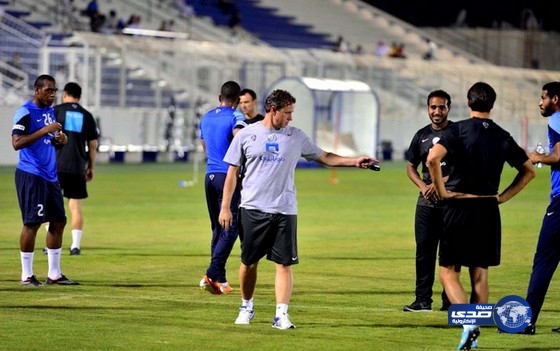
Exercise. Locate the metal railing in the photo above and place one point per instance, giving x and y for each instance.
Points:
(14, 82)
(23, 31)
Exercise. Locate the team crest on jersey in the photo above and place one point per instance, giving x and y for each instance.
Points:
(272, 137)
(253, 137)
(435, 140)
(485, 124)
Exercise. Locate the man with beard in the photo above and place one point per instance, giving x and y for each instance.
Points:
(428, 219)
(547, 255)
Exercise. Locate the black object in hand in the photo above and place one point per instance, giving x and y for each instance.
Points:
(374, 166)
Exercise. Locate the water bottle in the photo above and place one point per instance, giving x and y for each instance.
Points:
(185, 183)
(540, 150)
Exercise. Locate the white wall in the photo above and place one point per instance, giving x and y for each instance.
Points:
(121, 126)
(8, 156)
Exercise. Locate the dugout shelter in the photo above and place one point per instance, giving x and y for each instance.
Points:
(340, 116)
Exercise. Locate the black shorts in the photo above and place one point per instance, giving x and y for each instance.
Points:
(472, 235)
(273, 235)
(73, 185)
(40, 201)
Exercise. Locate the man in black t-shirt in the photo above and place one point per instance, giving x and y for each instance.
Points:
(428, 218)
(471, 237)
(76, 160)
(248, 104)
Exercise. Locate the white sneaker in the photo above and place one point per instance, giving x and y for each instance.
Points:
(282, 323)
(244, 316)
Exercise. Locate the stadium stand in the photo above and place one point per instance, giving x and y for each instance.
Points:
(266, 24)
(127, 76)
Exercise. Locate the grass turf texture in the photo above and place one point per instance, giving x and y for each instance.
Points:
(146, 246)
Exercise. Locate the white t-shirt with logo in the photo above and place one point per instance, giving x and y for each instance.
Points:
(270, 157)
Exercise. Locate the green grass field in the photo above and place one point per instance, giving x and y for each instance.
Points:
(146, 246)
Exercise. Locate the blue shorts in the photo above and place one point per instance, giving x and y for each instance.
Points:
(40, 201)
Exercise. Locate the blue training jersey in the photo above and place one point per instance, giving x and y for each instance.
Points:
(38, 158)
(553, 139)
(216, 129)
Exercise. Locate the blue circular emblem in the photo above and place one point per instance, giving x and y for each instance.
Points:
(512, 314)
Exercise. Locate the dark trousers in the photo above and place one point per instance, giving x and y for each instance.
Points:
(222, 240)
(547, 257)
(428, 226)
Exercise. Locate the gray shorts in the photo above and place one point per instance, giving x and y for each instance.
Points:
(273, 235)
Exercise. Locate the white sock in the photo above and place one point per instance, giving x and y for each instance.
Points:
(281, 310)
(54, 263)
(248, 304)
(26, 264)
(76, 238)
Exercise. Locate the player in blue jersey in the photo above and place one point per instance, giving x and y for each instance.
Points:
(35, 135)
(76, 161)
(547, 255)
(269, 151)
(217, 128)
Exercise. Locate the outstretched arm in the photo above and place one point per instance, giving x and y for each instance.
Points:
(333, 160)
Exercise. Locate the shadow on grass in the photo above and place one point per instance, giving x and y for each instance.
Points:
(58, 307)
(122, 251)
(18, 288)
(381, 325)
(346, 291)
(349, 258)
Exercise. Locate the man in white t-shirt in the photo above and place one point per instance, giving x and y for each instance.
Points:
(269, 151)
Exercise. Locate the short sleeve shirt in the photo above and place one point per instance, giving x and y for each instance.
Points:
(553, 139)
(270, 157)
(420, 146)
(80, 127)
(216, 129)
(478, 149)
(38, 158)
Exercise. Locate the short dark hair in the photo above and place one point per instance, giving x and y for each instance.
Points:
(278, 99)
(40, 81)
(481, 97)
(250, 92)
(552, 89)
(73, 89)
(439, 93)
(230, 91)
